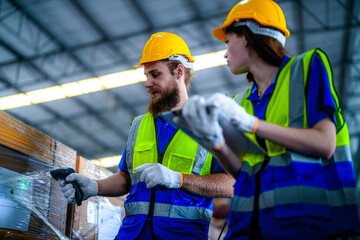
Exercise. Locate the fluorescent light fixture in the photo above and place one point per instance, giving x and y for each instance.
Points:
(14, 101)
(46, 95)
(101, 83)
(124, 78)
(209, 60)
(107, 162)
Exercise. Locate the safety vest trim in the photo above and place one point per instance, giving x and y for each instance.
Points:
(290, 195)
(296, 110)
(341, 154)
(199, 167)
(170, 211)
(130, 146)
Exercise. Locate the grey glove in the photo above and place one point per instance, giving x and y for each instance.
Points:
(237, 114)
(87, 185)
(156, 174)
(203, 120)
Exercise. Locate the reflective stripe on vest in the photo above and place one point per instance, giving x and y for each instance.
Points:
(170, 211)
(290, 195)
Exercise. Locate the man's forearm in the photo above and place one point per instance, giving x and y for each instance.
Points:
(215, 186)
(116, 185)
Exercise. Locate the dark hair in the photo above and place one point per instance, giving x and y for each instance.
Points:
(172, 65)
(268, 48)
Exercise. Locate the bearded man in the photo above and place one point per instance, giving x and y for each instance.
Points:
(170, 178)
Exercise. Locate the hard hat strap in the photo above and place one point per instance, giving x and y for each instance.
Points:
(256, 29)
(184, 61)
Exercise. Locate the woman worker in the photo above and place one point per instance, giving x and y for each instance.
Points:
(304, 187)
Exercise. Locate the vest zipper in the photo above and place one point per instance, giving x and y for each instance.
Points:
(254, 221)
(153, 190)
(152, 205)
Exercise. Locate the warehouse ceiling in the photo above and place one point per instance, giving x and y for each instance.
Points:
(47, 43)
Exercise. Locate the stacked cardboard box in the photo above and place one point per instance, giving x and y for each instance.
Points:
(30, 197)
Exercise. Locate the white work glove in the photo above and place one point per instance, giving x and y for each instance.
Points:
(203, 121)
(236, 113)
(154, 174)
(87, 185)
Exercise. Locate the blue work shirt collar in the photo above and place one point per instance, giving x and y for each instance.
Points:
(253, 95)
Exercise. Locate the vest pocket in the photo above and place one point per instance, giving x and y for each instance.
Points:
(181, 163)
(143, 153)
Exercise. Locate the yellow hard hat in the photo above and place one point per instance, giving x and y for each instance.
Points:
(164, 45)
(265, 12)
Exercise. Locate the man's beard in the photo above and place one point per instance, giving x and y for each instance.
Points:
(170, 97)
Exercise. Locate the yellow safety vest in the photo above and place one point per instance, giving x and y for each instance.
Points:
(182, 154)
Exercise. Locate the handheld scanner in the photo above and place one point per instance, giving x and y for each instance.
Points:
(61, 174)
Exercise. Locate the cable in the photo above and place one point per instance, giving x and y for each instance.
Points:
(222, 230)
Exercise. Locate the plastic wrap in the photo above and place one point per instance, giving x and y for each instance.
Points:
(99, 217)
(32, 200)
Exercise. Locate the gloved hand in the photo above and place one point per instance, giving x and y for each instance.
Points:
(237, 114)
(87, 185)
(156, 174)
(203, 120)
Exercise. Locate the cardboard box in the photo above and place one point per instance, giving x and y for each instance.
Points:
(98, 217)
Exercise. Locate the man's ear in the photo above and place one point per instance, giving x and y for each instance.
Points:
(180, 71)
(245, 41)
